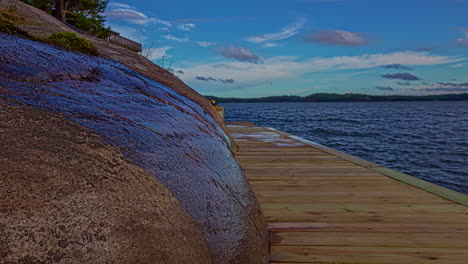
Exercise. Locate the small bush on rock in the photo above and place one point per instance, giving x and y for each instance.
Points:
(72, 42)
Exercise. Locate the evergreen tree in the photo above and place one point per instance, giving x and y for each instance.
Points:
(89, 16)
(46, 5)
(89, 13)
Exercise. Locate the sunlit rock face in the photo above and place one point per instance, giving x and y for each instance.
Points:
(99, 162)
(40, 24)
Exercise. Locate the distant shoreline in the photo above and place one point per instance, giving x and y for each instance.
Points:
(331, 97)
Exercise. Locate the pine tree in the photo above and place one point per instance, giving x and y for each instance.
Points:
(89, 13)
(46, 5)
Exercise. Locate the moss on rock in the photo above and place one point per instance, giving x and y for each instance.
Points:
(72, 42)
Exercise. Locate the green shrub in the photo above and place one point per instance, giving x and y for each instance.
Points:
(73, 42)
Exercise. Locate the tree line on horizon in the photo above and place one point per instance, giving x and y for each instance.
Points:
(333, 97)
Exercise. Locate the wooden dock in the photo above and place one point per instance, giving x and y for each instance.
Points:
(324, 206)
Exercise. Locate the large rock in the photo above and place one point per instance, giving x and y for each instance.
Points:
(67, 197)
(101, 164)
(40, 24)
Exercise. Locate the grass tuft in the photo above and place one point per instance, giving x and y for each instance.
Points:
(72, 42)
(7, 24)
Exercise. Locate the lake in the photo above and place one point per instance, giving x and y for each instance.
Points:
(428, 140)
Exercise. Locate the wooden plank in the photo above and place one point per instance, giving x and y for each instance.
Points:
(256, 177)
(282, 154)
(293, 160)
(403, 208)
(383, 182)
(368, 255)
(295, 171)
(351, 158)
(353, 200)
(348, 189)
(299, 163)
(308, 166)
(365, 217)
(244, 148)
(424, 185)
(427, 240)
(366, 227)
(317, 172)
(290, 158)
(261, 173)
(331, 192)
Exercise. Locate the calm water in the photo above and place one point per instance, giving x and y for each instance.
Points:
(428, 140)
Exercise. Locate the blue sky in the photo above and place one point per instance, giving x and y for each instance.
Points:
(299, 47)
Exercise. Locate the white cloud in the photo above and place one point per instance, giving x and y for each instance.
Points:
(163, 22)
(205, 44)
(336, 37)
(459, 65)
(171, 37)
(443, 88)
(186, 27)
(251, 74)
(130, 14)
(270, 45)
(239, 53)
(119, 5)
(464, 41)
(286, 32)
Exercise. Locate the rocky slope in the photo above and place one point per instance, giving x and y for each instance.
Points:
(39, 24)
(101, 164)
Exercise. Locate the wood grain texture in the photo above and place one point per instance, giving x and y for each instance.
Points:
(325, 206)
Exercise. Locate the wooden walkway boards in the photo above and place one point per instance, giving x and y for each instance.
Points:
(324, 206)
